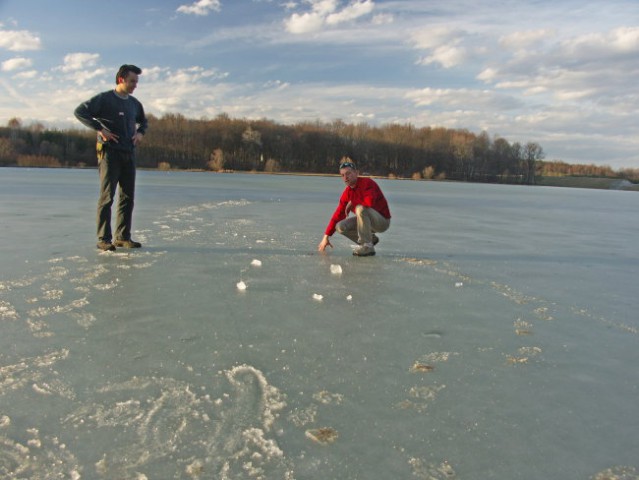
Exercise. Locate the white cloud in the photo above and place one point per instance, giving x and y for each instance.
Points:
(19, 40)
(433, 37)
(464, 98)
(620, 41)
(352, 12)
(525, 39)
(201, 7)
(444, 44)
(79, 61)
(18, 63)
(26, 75)
(194, 74)
(327, 13)
(447, 56)
(383, 19)
(324, 7)
(597, 67)
(304, 23)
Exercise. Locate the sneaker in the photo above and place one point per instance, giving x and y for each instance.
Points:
(364, 251)
(106, 246)
(127, 244)
(375, 239)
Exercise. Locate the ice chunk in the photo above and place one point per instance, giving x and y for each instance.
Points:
(241, 285)
(459, 284)
(349, 297)
(336, 269)
(256, 263)
(318, 297)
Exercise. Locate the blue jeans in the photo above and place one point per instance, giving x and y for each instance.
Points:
(116, 168)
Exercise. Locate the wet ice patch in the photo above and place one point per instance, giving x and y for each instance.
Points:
(420, 396)
(53, 294)
(106, 286)
(523, 356)
(327, 398)
(31, 370)
(36, 456)
(7, 311)
(426, 471)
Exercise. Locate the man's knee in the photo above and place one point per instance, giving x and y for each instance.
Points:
(359, 209)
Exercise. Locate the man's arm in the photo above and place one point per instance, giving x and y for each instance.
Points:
(339, 214)
(87, 111)
(142, 123)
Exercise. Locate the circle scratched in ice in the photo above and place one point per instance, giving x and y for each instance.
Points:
(170, 430)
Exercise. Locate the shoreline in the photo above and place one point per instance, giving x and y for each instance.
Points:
(596, 183)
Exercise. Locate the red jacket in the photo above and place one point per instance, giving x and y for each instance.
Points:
(365, 192)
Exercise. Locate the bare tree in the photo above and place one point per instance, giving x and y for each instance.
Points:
(532, 152)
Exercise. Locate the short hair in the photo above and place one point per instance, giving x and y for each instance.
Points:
(124, 71)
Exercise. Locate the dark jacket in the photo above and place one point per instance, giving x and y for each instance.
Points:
(123, 117)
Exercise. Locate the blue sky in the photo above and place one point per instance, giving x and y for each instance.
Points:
(562, 73)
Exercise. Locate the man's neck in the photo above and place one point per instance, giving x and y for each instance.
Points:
(120, 92)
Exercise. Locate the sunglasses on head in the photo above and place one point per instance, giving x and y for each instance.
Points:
(348, 165)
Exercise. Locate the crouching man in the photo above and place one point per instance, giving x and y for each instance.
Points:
(363, 197)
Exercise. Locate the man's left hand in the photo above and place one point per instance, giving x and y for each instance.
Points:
(137, 138)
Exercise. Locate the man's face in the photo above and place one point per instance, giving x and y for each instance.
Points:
(349, 176)
(129, 82)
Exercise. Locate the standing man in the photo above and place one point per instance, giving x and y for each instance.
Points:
(120, 122)
(365, 199)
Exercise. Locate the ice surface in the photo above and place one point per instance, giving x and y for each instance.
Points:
(494, 334)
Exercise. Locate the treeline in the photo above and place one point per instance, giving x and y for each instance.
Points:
(226, 144)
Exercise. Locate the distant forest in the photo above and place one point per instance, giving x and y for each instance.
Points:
(225, 144)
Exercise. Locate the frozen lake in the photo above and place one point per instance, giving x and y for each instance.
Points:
(494, 335)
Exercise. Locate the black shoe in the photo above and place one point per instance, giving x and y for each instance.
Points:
(106, 246)
(375, 239)
(127, 244)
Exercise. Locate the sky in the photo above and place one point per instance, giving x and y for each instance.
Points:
(562, 73)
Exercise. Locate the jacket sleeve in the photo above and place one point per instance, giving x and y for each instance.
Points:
(339, 214)
(88, 111)
(141, 120)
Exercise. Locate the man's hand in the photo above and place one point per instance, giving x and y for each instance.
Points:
(348, 208)
(108, 136)
(137, 138)
(326, 242)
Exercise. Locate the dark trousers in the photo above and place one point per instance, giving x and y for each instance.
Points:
(116, 169)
